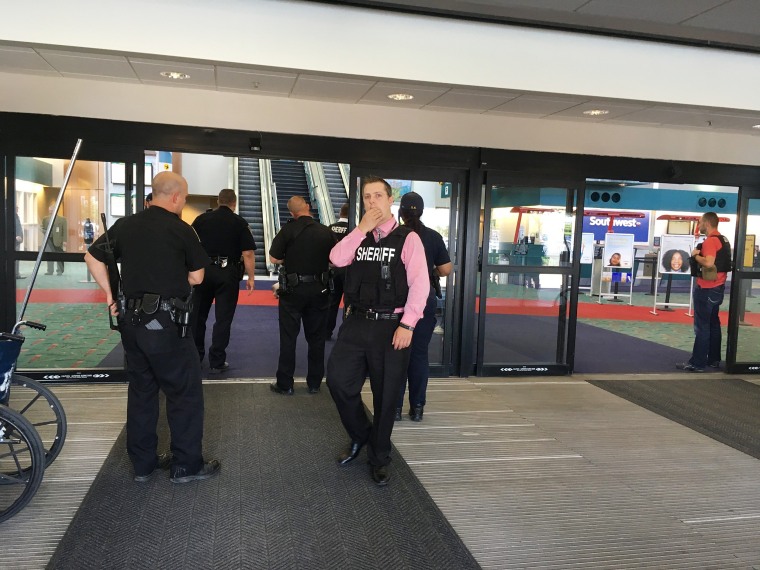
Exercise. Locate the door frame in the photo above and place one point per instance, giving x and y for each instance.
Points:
(453, 334)
(568, 313)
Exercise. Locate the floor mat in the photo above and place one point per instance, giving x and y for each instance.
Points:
(280, 501)
(725, 409)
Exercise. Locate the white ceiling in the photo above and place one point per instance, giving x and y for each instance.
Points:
(719, 15)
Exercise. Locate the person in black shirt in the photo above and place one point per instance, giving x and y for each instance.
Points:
(303, 248)
(161, 258)
(225, 236)
(439, 265)
(340, 229)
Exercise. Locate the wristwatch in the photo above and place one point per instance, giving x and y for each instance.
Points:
(407, 327)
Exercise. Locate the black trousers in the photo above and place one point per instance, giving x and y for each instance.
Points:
(335, 297)
(159, 359)
(366, 347)
(305, 303)
(418, 372)
(222, 285)
(58, 264)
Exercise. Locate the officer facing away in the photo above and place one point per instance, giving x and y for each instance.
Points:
(340, 229)
(302, 247)
(161, 258)
(226, 237)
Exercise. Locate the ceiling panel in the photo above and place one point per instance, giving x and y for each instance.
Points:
(24, 59)
(334, 89)
(741, 16)
(669, 12)
(614, 110)
(82, 64)
(149, 71)
(537, 105)
(423, 95)
(470, 100)
(263, 82)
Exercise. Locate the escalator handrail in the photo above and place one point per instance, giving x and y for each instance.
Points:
(319, 192)
(344, 174)
(269, 210)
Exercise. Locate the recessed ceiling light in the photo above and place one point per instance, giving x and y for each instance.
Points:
(401, 96)
(756, 126)
(174, 75)
(596, 112)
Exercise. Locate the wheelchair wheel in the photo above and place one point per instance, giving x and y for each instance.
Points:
(43, 409)
(22, 462)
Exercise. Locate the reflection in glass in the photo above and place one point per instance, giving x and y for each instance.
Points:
(529, 226)
(522, 322)
(73, 308)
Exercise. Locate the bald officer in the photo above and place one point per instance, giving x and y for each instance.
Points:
(302, 247)
(161, 258)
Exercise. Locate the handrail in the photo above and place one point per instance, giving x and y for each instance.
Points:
(319, 192)
(269, 211)
(345, 173)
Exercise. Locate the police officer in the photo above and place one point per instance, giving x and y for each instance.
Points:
(302, 247)
(438, 265)
(385, 292)
(340, 229)
(225, 236)
(161, 258)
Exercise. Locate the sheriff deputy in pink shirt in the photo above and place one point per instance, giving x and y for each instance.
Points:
(386, 287)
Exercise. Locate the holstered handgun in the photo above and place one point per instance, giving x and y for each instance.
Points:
(435, 281)
(180, 313)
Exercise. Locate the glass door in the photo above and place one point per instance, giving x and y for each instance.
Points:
(743, 346)
(78, 343)
(441, 191)
(530, 260)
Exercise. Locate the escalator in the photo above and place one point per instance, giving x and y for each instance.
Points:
(249, 206)
(290, 180)
(335, 186)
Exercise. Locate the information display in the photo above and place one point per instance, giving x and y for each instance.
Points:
(587, 248)
(675, 251)
(618, 251)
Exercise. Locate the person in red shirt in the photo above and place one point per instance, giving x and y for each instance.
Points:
(714, 259)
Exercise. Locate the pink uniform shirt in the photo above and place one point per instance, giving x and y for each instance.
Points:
(412, 256)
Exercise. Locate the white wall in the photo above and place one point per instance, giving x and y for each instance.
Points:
(206, 175)
(196, 107)
(311, 36)
(358, 41)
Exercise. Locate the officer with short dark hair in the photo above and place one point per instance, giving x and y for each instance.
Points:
(386, 289)
(226, 237)
(302, 247)
(340, 229)
(161, 258)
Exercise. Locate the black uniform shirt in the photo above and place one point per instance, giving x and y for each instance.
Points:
(435, 250)
(157, 250)
(340, 228)
(223, 233)
(308, 252)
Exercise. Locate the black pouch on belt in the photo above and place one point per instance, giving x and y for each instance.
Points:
(150, 303)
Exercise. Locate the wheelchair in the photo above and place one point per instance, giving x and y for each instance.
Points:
(32, 427)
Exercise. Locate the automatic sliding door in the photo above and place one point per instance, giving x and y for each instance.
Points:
(525, 304)
(440, 191)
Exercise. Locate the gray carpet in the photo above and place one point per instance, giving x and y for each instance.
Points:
(280, 501)
(723, 409)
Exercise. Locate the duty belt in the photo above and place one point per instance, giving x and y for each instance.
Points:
(375, 315)
(136, 303)
(309, 278)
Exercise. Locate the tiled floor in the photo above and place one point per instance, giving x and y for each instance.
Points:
(532, 473)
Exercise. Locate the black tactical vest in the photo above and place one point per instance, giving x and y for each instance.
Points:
(376, 279)
(723, 256)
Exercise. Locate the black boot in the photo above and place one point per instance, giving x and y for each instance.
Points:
(398, 415)
(416, 413)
